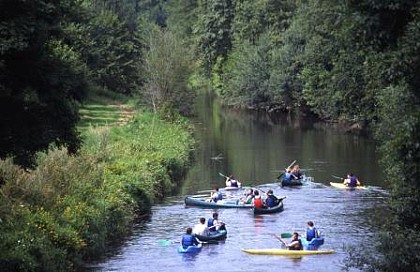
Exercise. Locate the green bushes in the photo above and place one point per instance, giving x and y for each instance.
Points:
(68, 208)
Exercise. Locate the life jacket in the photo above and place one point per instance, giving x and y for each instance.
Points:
(187, 240)
(233, 183)
(218, 197)
(297, 247)
(210, 224)
(287, 176)
(258, 202)
(311, 234)
(249, 199)
(271, 201)
(353, 181)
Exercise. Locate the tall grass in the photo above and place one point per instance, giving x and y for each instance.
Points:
(68, 208)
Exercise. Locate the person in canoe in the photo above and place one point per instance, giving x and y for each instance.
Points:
(296, 172)
(288, 175)
(216, 195)
(351, 180)
(271, 200)
(201, 228)
(295, 244)
(249, 196)
(188, 239)
(311, 232)
(232, 182)
(214, 224)
(257, 201)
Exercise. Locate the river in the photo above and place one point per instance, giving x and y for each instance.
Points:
(255, 149)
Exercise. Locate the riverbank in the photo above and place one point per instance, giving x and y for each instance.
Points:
(69, 208)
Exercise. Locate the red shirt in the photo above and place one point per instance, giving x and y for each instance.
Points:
(258, 203)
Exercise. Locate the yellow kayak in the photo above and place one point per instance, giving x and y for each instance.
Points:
(286, 252)
(342, 186)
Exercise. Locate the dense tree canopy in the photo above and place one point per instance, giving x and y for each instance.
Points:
(351, 61)
(41, 78)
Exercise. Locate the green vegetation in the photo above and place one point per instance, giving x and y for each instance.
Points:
(355, 62)
(70, 207)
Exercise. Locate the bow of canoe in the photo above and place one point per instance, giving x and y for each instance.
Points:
(285, 252)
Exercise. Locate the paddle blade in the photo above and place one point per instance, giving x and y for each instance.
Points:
(165, 242)
(211, 242)
(286, 235)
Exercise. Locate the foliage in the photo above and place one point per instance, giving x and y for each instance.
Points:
(67, 209)
(253, 18)
(351, 61)
(213, 30)
(167, 65)
(41, 79)
(247, 74)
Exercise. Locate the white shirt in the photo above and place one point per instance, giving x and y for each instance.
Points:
(201, 229)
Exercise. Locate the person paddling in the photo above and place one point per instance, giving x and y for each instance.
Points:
(351, 180)
(295, 244)
(215, 195)
(188, 239)
(272, 200)
(214, 224)
(232, 182)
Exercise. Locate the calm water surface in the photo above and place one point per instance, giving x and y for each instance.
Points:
(255, 149)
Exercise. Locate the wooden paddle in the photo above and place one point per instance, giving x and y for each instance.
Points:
(293, 162)
(220, 174)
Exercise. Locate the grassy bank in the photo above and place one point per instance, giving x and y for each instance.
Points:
(67, 209)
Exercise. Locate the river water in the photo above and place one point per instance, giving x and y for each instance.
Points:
(255, 149)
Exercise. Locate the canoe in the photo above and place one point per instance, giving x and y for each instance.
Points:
(342, 186)
(226, 203)
(314, 244)
(293, 182)
(285, 252)
(232, 188)
(190, 249)
(214, 236)
(275, 209)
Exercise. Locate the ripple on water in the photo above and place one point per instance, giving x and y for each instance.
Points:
(342, 217)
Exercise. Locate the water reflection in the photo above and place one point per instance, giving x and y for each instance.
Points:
(256, 148)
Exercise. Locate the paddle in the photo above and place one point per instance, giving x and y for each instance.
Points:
(280, 199)
(205, 191)
(209, 242)
(166, 242)
(220, 174)
(293, 162)
(255, 188)
(286, 235)
(337, 177)
(220, 224)
(169, 242)
(278, 238)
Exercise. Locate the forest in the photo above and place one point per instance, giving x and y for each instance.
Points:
(349, 62)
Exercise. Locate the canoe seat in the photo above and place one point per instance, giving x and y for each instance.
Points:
(314, 244)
